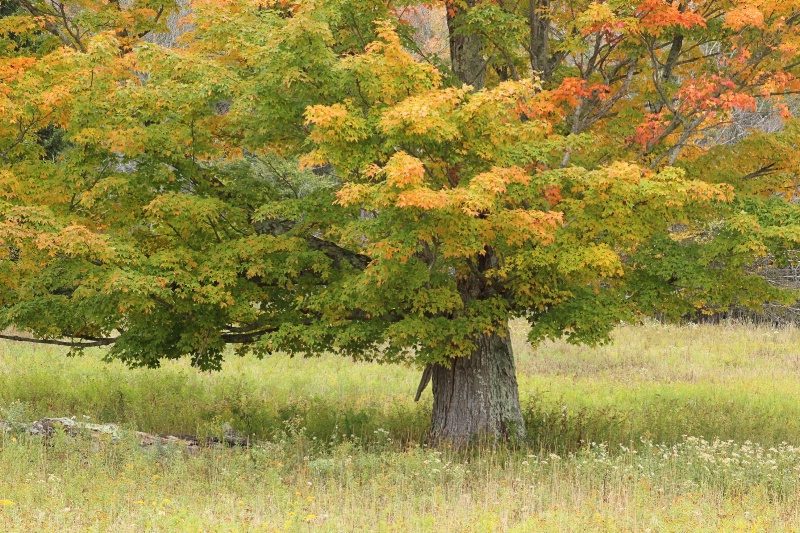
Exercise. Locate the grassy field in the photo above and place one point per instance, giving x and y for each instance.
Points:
(666, 429)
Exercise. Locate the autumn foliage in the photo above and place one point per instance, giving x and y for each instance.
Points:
(313, 176)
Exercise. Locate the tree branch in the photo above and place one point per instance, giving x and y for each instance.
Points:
(424, 380)
(763, 171)
(91, 341)
(333, 251)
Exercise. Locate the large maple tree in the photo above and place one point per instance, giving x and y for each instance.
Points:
(310, 176)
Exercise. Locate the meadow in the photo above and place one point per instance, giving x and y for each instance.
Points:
(665, 429)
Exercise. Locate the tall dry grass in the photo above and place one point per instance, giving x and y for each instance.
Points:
(666, 429)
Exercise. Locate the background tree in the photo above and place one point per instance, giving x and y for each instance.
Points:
(304, 177)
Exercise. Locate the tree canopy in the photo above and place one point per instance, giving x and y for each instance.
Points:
(318, 175)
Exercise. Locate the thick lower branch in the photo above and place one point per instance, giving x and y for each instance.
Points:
(87, 342)
(332, 250)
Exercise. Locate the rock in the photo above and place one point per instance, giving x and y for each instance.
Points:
(47, 427)
(231, 437)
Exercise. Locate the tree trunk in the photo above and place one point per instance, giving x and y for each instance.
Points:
(466, 48)
(539, 22)
(476, 397)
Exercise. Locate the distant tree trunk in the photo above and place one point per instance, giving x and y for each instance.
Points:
(539, 22)
(466, 49)
(476, 397)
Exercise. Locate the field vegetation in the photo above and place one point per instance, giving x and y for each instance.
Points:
(666, 429)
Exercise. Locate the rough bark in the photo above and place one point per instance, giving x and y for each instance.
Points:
(476, 398)
(539, 23)
(466, 47)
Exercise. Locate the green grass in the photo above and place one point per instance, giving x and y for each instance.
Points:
(614, 442)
